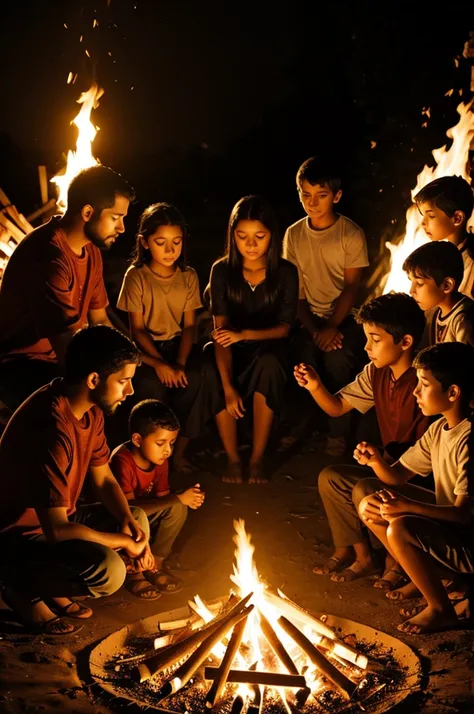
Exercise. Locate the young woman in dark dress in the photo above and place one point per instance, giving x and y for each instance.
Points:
(254, 294)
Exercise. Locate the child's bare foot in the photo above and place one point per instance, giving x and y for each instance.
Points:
(340, 558)
(406, 592)
(233, 473)
(357, 570)
(257, 473)
(430, 620)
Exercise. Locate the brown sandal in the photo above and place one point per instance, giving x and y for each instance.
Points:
(142, 588)
(163, 582)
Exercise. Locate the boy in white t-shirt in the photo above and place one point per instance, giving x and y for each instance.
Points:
(429, 534)
(330, 252)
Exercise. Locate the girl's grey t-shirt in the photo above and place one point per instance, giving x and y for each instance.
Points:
(321, 257)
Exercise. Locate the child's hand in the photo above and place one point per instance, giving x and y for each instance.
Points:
(372, 506)
(234, 403)
(165, 373)
(181, 379)
(192, 497)
(146, 561)
(328, 339)
(307, 377)
(225, 337)
(366, 454)
(393, 504)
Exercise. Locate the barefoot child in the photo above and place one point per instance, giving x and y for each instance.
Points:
(446, 205)
(254, 294)
(393, 326)
(429, 534)
(161, 294)
(436, 272)
(141, 468)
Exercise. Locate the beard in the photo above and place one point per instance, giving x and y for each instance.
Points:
(90, 231)
(98, 396)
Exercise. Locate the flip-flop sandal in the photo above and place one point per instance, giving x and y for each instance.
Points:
(384, 584)
(81, 613)
(338, 564)
(41, 628)
(142, 589)
(164, 582)
(353, 572)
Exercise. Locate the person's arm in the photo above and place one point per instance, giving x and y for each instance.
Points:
(193, 498)
(225, 337)
(233, 400)
(108, 492)
(328, 336)
(367, 455)
(188, 335)
(141, 336)
(306, 317)
(333, 404)
(99, 317)
(395, 505)
(60, 342)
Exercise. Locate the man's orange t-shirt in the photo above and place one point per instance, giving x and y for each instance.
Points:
(45, 453)
(137, 482)
(47, 290)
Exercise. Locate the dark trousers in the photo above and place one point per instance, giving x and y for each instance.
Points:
(165, 525)
(70, 568)
(336, 368)
(192, 404)
(22, 376)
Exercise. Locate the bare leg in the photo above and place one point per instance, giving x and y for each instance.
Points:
(227, 428)
(262, 424)
(421, 568)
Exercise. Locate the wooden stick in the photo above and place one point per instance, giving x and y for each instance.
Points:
(237, 705)
(43, 181)
(342, 683)
(276, 645)
(44, 209)
(215, 692)
(172, 654)
(18, 218)
(269, 679)
(184, 673)
(17, 234)
(4, 198)
(295, 612)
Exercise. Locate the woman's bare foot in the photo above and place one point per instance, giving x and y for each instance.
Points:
(338, 560)
(430, 620)
(233, 473)
(406, 592)
(257, 473)
(355, 571)
(36, 616)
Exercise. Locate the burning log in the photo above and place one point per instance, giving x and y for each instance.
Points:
(251, 677)
(215, 692)
(276, 645)
(174, 653)
(184, 673)
(238, 705)
(328, 637)
(342, 683)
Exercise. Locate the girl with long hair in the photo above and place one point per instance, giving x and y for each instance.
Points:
(253, 294)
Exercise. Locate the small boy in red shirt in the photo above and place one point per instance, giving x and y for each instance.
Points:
(141, 468)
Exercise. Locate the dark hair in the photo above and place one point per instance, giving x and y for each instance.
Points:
(450, 363)
(252, 208)
(396, 313)
(449, 194)
(438, 260)
(97, 186)
(149, 415)
(156, 215)
(100, 349)
(316, 173)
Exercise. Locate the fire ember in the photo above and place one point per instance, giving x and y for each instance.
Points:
(256, 652)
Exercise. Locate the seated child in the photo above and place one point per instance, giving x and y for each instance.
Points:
(436, 272)
(446, 205)
(429, 534)
(393, 326)
(141, 468)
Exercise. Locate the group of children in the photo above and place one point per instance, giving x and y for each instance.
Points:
(284, 316)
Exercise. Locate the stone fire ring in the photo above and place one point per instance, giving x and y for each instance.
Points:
(112, 646)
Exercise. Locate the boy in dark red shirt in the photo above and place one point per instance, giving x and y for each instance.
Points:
(141, 468)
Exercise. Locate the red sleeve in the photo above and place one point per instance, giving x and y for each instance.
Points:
(98, 295)
(55, 312)
(123, 470)
(101, 452)
(162, 487)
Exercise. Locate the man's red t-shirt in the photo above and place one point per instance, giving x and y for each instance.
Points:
(45, 453)
(47, 290)
(136, 482)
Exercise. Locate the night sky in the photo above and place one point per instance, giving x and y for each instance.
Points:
(207, 101)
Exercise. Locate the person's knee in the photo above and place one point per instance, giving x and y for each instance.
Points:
(109, 575)
(362, 490)
(177, 513)
(141, 518)
(402, 529)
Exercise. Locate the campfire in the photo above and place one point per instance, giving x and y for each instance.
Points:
(449, 162)
(255, 651)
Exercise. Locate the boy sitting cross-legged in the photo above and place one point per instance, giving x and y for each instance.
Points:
(436, 272)
(429, 534)
(393, 325)
(446, 205)
(141, 468)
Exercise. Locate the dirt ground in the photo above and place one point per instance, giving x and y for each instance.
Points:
(290, 533)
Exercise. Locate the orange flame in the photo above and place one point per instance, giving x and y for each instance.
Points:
(449, 162)
(82, 158)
